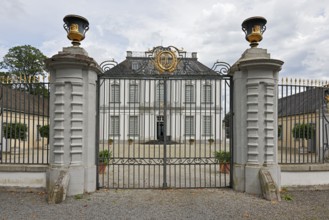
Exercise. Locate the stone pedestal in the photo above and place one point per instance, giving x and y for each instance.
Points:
(72, 107)
(255, 77)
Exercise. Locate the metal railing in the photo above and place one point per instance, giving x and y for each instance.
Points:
(24, 120)
(301, 130)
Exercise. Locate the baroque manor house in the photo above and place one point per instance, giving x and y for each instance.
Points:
(141, 103)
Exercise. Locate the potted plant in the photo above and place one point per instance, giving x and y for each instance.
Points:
(191, 141)
(224, 160)
(130, 141)
(211, 141)
(103, 160)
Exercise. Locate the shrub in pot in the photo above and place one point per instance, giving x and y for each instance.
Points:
(224, 159)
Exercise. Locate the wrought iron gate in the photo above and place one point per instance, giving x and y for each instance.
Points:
(161, 130)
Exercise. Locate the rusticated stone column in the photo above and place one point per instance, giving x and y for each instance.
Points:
(72, 105)
(255, 77)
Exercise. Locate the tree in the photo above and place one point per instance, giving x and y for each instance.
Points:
(25, 62)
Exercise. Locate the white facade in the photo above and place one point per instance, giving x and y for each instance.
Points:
(135, 109)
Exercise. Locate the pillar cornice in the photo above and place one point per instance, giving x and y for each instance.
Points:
(72, 56)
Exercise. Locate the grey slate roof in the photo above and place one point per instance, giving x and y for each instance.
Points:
(305, 102)
(186, 66)
(22, 102)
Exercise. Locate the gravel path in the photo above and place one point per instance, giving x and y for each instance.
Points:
(166, 204)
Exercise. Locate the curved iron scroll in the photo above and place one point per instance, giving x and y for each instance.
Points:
(221, 68)
(108, 64)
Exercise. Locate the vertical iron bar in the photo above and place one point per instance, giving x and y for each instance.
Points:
(97, 129)
(231, 121)
(165, 133)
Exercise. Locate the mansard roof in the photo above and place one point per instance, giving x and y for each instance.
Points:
(142, 64)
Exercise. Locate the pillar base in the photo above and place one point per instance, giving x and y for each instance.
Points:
(246, 177)
(82, 179)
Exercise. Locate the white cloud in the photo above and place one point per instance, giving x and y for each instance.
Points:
(297, 31)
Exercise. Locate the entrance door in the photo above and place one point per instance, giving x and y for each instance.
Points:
(160, 128)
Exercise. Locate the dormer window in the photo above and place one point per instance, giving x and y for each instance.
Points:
(134, 66)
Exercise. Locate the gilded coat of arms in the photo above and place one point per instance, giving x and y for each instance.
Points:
(165, 60)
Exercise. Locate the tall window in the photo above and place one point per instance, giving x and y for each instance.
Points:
(206, 96)
(160, 92)
(133, 126)
(189, 93)
(133, 93)
(207, 125)
(115, 93)
(115, 125)
(189, 126)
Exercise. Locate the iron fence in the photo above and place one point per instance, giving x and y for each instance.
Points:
(24, 119)
(302, 112)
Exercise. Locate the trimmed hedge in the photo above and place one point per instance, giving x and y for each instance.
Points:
(306, 131)
(15, 131)
(44, 131)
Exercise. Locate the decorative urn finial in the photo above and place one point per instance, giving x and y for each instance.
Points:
(76, 27)
(254, 27)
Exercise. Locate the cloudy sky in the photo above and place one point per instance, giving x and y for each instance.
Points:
(297, 30)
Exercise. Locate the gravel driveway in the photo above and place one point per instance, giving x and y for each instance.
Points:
(166, 204)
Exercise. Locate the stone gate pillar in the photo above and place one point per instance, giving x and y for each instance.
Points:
(255, 77)
(72, 107)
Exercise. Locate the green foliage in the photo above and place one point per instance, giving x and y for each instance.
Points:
(227, 119)
(44, 131)
(287, 197)
(222, 156)
(15, 131)
(227, 123)
(303, 131)
(25, 60)
(279, 131)
(211, 141)
(191, 141)
(79, 196)
(104, 156)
